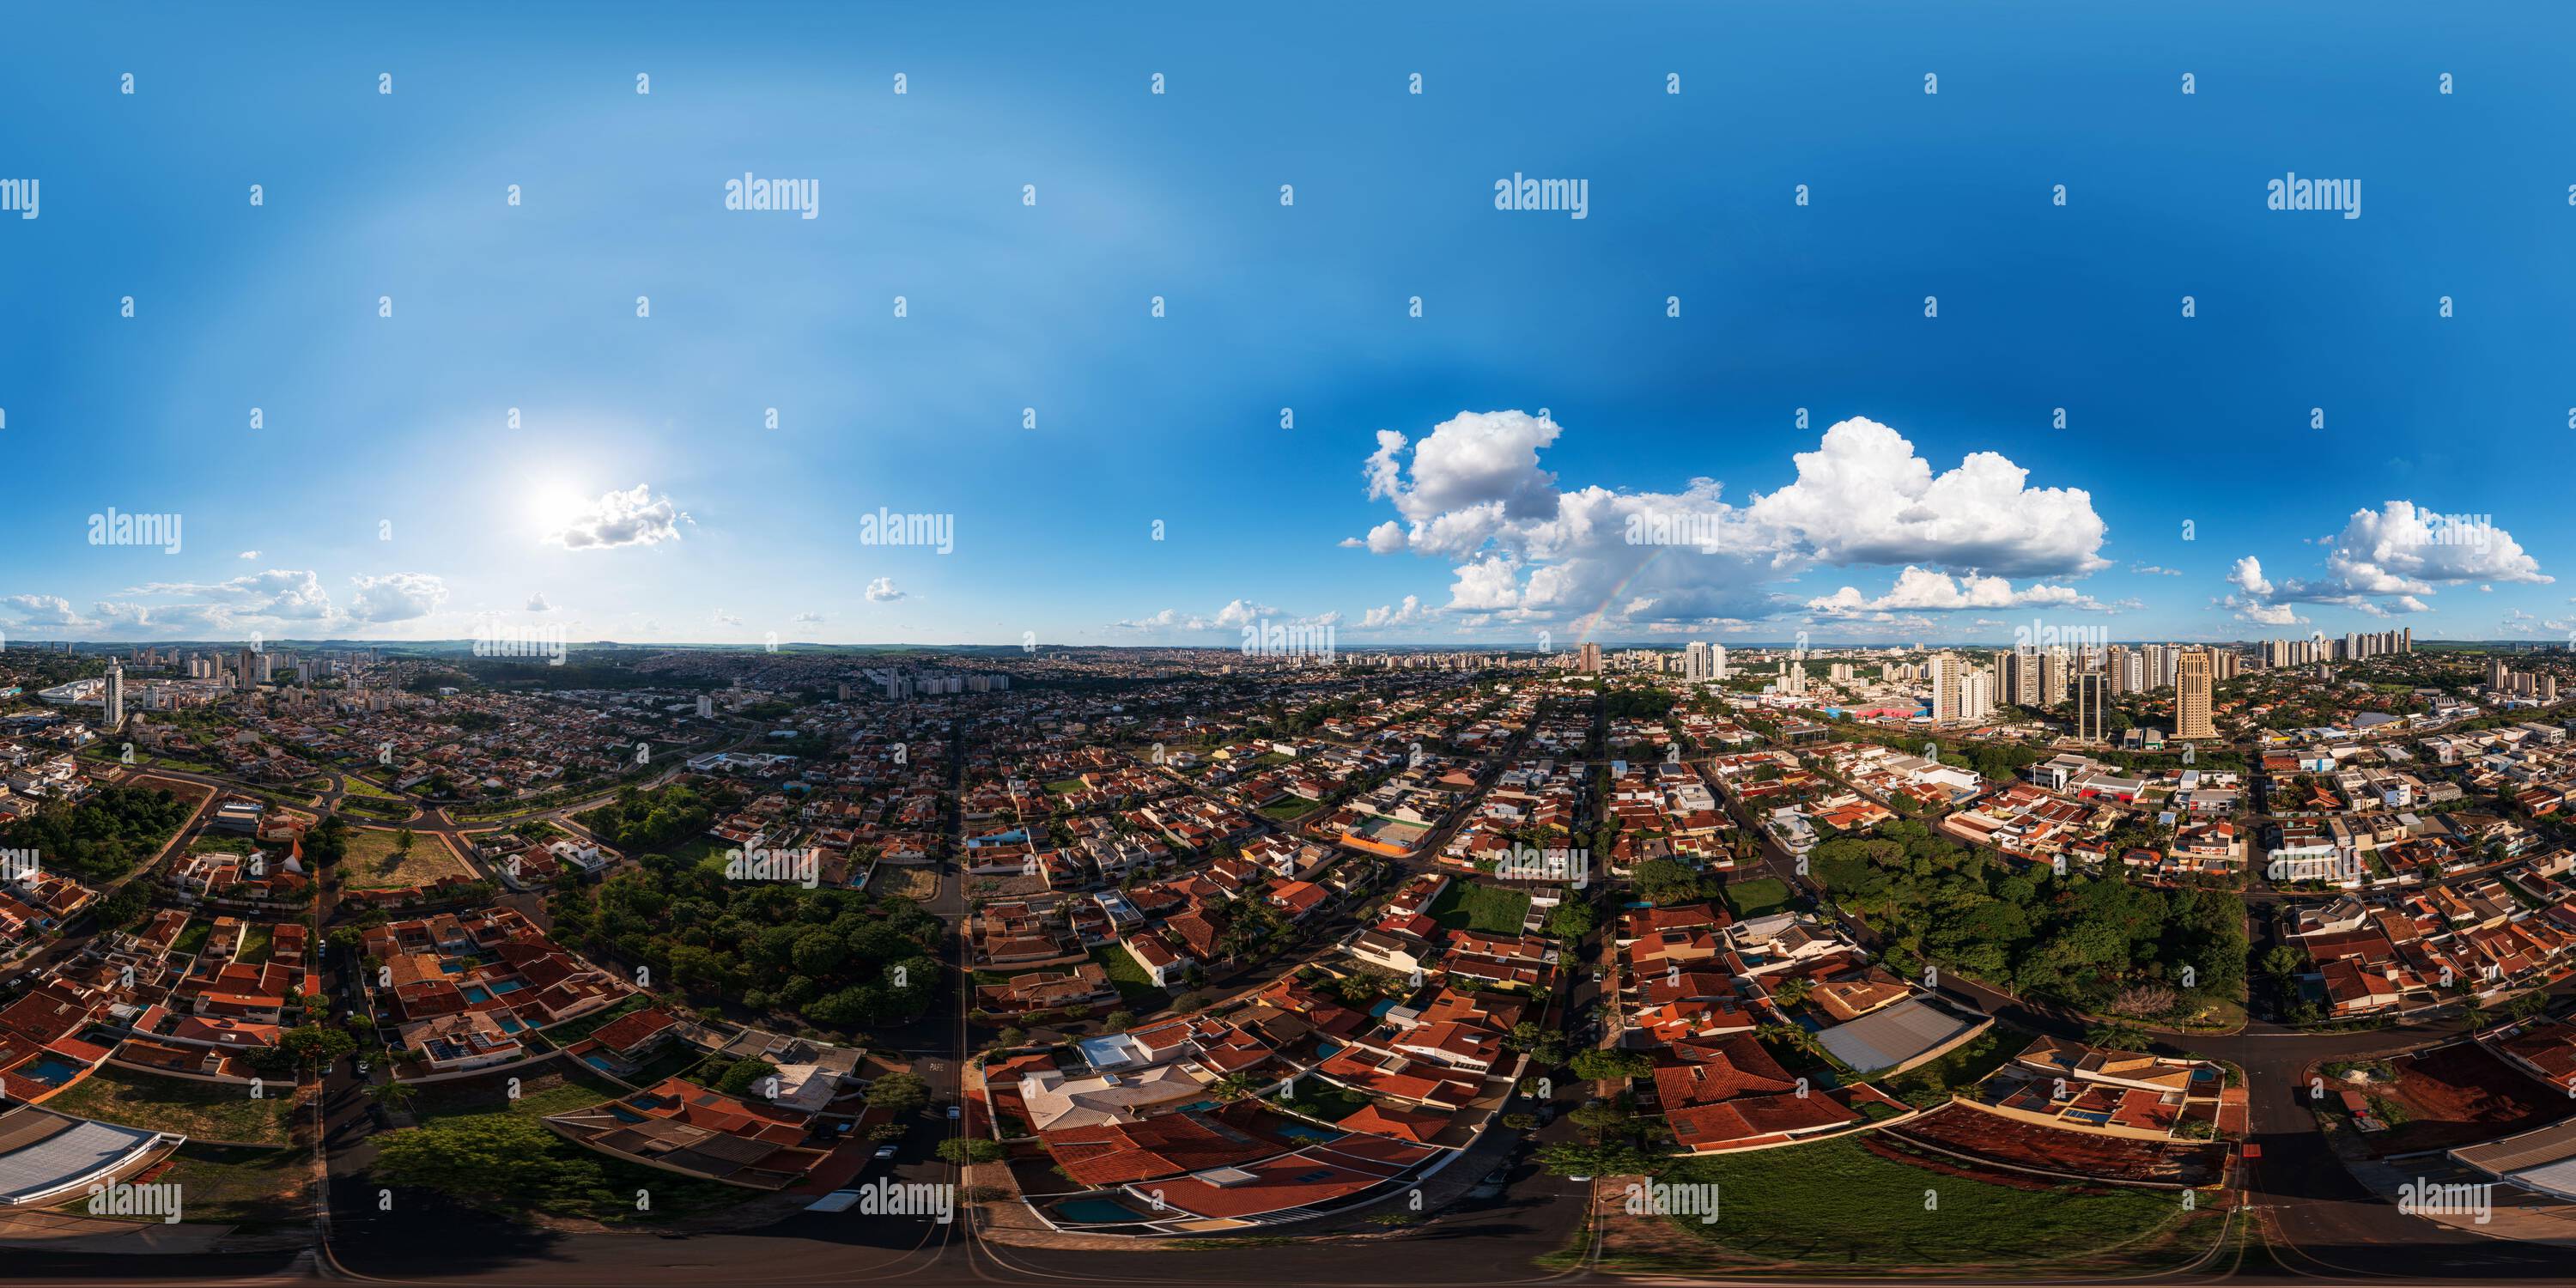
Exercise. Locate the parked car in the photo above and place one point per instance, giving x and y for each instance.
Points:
(885, 1153)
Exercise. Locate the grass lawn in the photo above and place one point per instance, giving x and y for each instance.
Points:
(581, 1183)
(194, 937)
(1323, 1101)
(571, 1031)
(554, 1089)
(1468, 905)
(1290, 809)
(204, 1110)
(696, 850)
(255, 944)
(357, 786)
(372, 863)
(1136, 992)
(1961, 1069)
(1063, 785)
(1835, 1203)
(1757, 897)
(232, 1185)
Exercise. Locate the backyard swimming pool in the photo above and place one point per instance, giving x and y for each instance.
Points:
(52, 1070)
(1097, 1211)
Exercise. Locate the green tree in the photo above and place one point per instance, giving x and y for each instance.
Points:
(747, 1079)
(311, 1045)
(392, 1094)
(1599, 1064)
(970, 1149)
(1617, 1158)
(509, 1161)
(1573, 919)
(899, 1094)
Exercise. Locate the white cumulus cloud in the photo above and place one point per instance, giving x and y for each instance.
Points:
(1475, 492)
(396, 597)
(1922, 589)
(634, 517)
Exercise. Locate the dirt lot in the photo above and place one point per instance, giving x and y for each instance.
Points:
(2010, 1141)
(373, 863)
(193, 793)
(890, 880)
(2457, 1095)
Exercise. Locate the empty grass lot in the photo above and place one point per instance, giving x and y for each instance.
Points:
(372, 863)
(1136, 992)
(233, 1185)
(1757, 897)
(1490, 910)
(1837, 1203)
(200, 1110)
(551, 1090)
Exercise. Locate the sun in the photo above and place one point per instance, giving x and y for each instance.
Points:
(553, 506)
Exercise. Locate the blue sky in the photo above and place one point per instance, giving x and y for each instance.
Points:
(386, 494)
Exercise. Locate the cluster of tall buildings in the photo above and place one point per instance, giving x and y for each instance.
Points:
(901, 685)
(2351, 648)
(2535, 685)
(2089, 678)
(246, 669)
(1960, 689)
